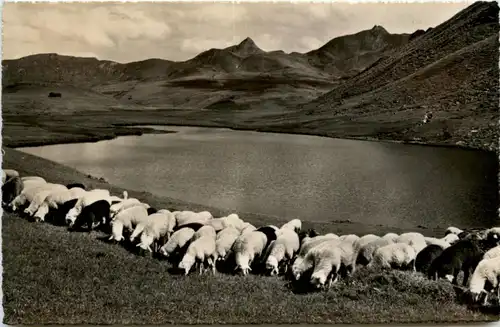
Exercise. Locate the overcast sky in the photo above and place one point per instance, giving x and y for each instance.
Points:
(127, 32)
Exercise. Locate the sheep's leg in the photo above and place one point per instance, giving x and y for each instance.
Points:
(211, 264)
(200, 267)
(466, 277)
(455, 277)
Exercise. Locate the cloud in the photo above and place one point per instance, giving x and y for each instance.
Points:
(131, 31)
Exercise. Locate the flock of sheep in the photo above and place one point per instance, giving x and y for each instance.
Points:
(199, 241)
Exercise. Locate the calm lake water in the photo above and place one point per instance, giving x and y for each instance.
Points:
(296, 176)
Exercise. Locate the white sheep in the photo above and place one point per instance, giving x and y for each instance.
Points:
(33, 178)
(365, 253)
(125, 204)
(327, 263)
(10, 173)
(224, 242)
(188, 217)
(306, 261)
(54, 199)
(247, 248)
(391, 237)
(229, 221)
(294, 224)
(283, 249)
(160, 224)
(453, 230)
(437, 241)
(400, 255)
(127, 218)
(27, 195)
(416, 240)
(177, 241)
(247, 228)
(87, 199)
(349, 238)
(365, 239)
(451, 238)
(40, 197)
(486, 270)
(492, 253)
(201, 252)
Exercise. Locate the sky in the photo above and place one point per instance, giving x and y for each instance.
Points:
(127, 31)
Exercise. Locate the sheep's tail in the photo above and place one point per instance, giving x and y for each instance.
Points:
(125, 195)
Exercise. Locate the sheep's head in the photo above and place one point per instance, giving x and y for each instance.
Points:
(28, 211)
(272, 266)
(144, 248)
(70, 217)
(245, 270)
(186, 263)
(318, 281)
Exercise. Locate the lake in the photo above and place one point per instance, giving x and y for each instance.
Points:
(296, 176)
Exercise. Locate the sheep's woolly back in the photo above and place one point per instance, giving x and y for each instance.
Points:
(205, 231)
(453, 230)
(202, 248)
(365, 240)
(398, 254)
(391, 237)
(294, 224)
(308, 244)
(324, 261)
(247, 246)
(365, 254)
(302, 264)
(178, 240)
(486, 270)
(247, 228)
(492, 253)
(450, 238)
(285, 246)
(132, 216)
(437, 241)
(188, 217)
(125, 204)
(349, 238)
(40, 196)
(225, 240)
(415, 240)
(158, 225)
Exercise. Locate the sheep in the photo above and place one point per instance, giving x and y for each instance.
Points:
(294, 224)
(11, 189)
(56, 198)
(437, 241)
(426, 256)
(205, 231)
(178, 240)
(415, 240)
(87, 199)
(397, 255)
(248, 247)
(365, 240)
(450, 238)
(306, 262)
(493, 235)
(327, 263)
(391, 237)
(486, 270)
(78, 185)
(127, 218)
(27, 195)
(201, 251)
(492, 253)
(33, 178)
(122, 205)
(365, 253)
(224, 242)
(461, 256)
(58, 215)
(40, 197)
(453, 230)
(8, 174)
(194, 226)
(247, 228)
(270, 232)
(95, 214)
(349, 237)
(283, 249)
(186, 217)
(159, 225)
(230, 221)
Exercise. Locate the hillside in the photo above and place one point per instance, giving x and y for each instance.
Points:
(371, 84)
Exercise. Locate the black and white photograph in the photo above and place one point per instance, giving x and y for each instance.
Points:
(270, 163)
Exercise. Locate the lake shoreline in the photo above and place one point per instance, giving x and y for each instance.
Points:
(130, 130)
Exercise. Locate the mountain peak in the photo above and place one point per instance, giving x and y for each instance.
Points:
(246, 47)
(379, 29)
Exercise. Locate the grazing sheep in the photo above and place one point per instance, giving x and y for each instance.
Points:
(437, 241)
(270, 232)
(93, 215)
(461, 256)
(33, 178)
(492, 253)
(453, 230)
(187, 217)
(306, 262)
(248, 247)
(56, 198)
(451, 238)
(426, 256)
(365, 240)
(486, 270)
(87, 199)
(11, 189)
(391, 237)
(128, 218)
(327, 263)
(73, 185)
(125, 204)
(8, 174)
(349, 238)
(205, 231)
(493, 235)
(201, 252)
(307, 244)
(415, 240)
(40, 197)
(294, 224)
(282, 250)
(224, 242)
(365, 253)
(394, 255)
(28, 194)
(178, 240)
(247, 228)
(58, 215)
(159, 225)
(230, 221)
